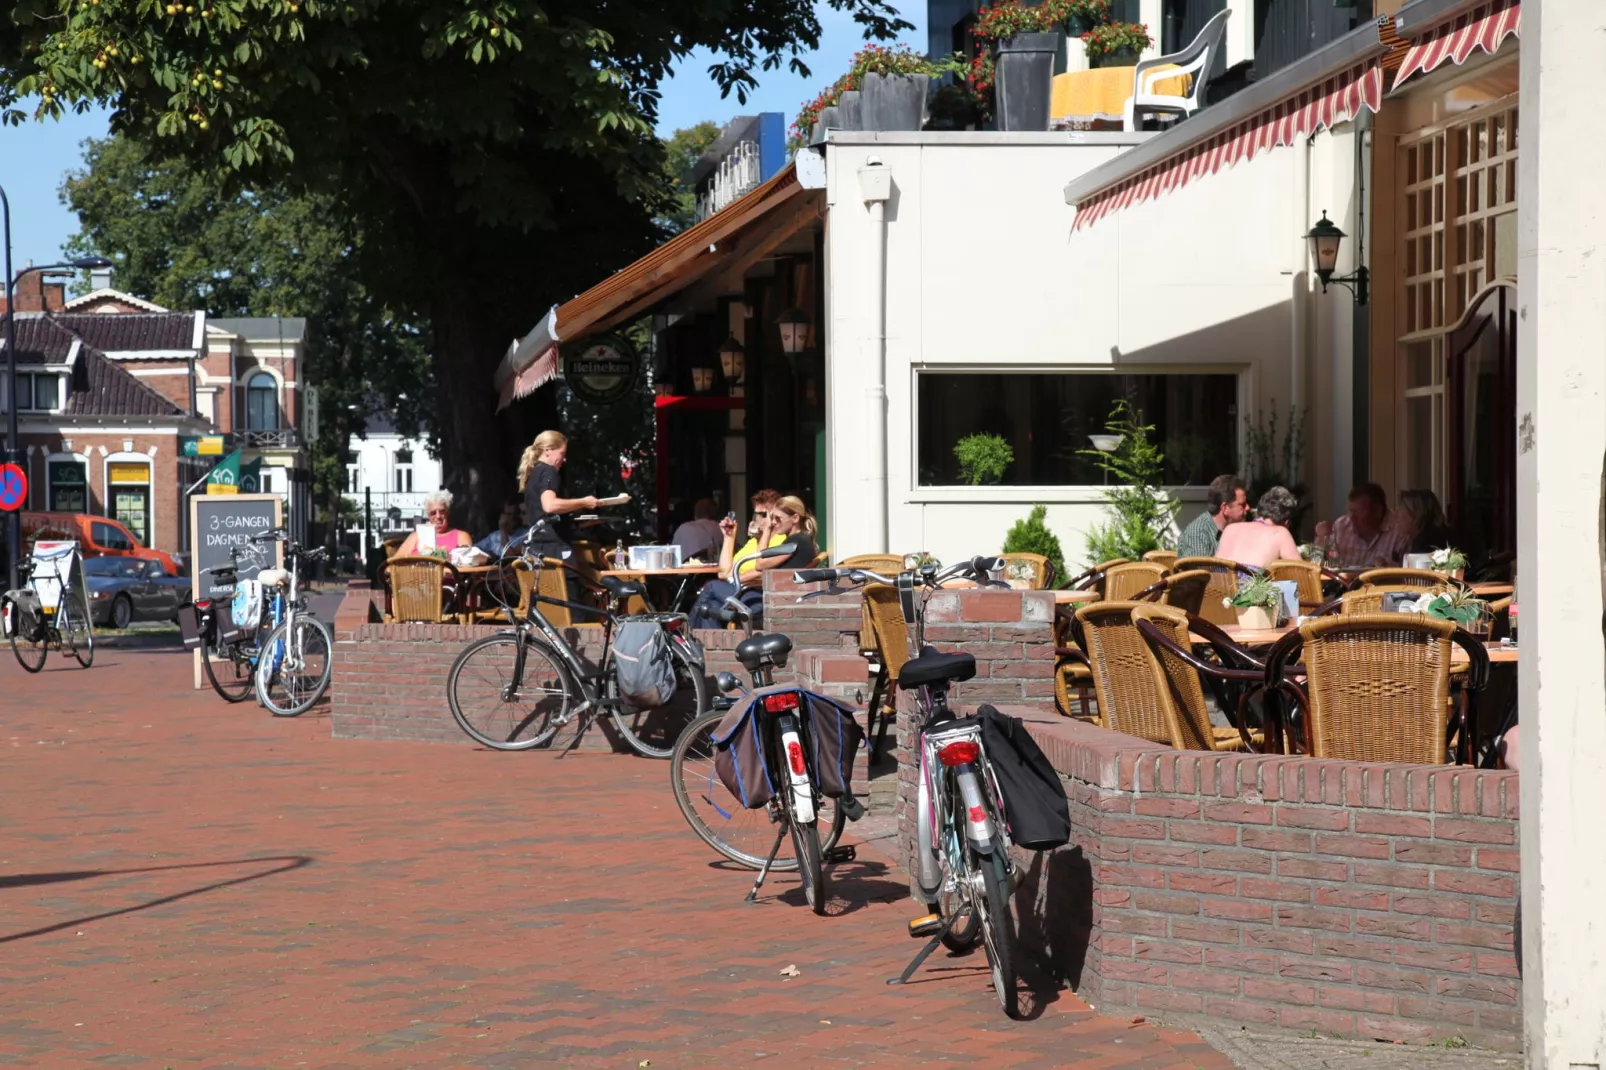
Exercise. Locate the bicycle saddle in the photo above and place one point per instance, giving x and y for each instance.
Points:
(761, 649)
(934, 668)
(621, 589)
(273, 577)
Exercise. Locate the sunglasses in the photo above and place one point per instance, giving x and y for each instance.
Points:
(435, 513)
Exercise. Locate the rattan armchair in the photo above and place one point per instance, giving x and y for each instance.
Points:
(887, 641)
(1129, 582)
(1307, 576)
(1166, 559)
(1402, 577)
(1042, 568)
(1225, 579)
(1185, 590)
(888, 565)
(418, 588)
(1093, 578)
(509, 589)
(551, 581)
(1177, 675)
(1128, 699)
(1377, 686)
(1369, 600)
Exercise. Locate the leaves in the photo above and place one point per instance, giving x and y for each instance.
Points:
(1141, 516)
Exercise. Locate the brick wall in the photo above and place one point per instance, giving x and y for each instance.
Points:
(165, 486)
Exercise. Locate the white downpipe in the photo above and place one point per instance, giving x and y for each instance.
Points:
(875, 184)
(1299, 318)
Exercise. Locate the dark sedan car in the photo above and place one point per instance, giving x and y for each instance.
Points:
(125, 589)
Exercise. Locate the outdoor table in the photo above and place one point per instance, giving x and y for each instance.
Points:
(473, 577)
(1079, 99)
(685, 574)
(1074, 598)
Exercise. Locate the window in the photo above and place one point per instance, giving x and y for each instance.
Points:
(352, 476)
(109, 537)
(262, 402)
(404, 471)
(129, 487)
(69, 487)
(1048, 416)
(46, 392)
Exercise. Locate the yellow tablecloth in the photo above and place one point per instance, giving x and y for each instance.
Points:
(1102, 93)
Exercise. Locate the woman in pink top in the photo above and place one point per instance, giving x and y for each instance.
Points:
(1264, 539)
(438, 512)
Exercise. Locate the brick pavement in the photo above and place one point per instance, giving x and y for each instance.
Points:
(192, 884)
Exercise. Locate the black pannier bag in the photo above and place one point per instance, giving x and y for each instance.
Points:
(830, 733)
(1034, 799)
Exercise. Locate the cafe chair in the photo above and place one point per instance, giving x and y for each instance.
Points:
(1093, 578)
(1164, 558)
(1307, 578)
(1401, 577)
(515, 583)
(1371, 599)
(1129, 702)
(885, 640)
(1178, 673)
(1197, 60)
(1184, 590)
(551, 581)
(392, 545)
(1225, 579)
(1042, 570)
(419, 589)
(1125, 583)
(888, 565)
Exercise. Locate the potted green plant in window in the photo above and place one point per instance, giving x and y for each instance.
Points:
(1116, 44)
(1142, 517)
(1258, 602)
(1024, 43)
(983, 459)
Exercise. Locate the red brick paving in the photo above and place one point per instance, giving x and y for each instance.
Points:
(186, 883)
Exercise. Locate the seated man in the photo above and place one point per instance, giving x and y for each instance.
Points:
(700, 536)
(1368, 535)
(509, 527)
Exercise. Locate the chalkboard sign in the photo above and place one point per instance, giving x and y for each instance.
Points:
(222, 521)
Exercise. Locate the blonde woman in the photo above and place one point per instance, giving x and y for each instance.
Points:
(545, 507)
(785, 523)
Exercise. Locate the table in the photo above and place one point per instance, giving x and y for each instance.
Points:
(1080, 98)
(1074, 598)
(685, 574)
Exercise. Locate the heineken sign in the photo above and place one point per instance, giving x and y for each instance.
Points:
(604, 371)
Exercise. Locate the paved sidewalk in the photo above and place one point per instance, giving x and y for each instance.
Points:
(186, 883)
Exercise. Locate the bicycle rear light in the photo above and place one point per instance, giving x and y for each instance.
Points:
(782, 701)
(960, 753)
(794, 754)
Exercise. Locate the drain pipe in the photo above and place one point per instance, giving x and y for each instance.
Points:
(875, 185)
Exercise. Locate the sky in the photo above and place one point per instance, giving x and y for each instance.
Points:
(35, 157)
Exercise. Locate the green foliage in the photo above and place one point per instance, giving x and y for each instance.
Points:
(1258, 592)
(1114, 36)
(1141, 516)
(682, 149)
(1277, 459)
(871, 59)
(983, 458)
(1458, 603)
(1032, 536)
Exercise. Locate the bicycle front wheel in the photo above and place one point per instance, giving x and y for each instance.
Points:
(295, 665)
(77, 635)
(502, 707)
(652, 731)
(30, 652)
(720, 820)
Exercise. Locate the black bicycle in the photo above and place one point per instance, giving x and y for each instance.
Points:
(36, 626)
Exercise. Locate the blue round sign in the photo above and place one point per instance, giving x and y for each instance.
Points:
(13, 487)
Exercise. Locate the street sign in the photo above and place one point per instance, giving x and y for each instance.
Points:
(13, 487)
(201, 445)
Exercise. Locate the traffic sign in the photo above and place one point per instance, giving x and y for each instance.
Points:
(13, 487)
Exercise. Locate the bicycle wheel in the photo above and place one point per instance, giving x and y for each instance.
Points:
(228, 669)
(806, 846)
(951, 900)
(652, 731)
(486, 704)
(744, 836)
(993, 907)
(30, 653)
(76, 633)
(294, 667)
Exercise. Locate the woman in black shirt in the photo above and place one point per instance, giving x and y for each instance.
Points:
(540, 475)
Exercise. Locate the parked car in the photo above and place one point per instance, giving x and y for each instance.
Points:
(125, 589)
(98, 536)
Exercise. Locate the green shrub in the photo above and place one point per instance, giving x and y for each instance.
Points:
(1031, 536)
(983, 458)
(1141, 516)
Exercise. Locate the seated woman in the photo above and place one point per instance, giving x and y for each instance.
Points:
(1264, 539)
(437, 513)
(1424, 521)
(787, 523)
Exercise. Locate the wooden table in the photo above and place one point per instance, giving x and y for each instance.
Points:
(1074, 598)
(685, 574)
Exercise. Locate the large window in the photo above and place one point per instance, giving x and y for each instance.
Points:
(1048, 416)
(262, 402)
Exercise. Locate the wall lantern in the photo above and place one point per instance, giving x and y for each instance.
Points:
(794, 327)
(733, 359)
(702, 379)
(1325, 238)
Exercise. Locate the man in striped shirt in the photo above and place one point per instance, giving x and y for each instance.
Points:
(1225, 503)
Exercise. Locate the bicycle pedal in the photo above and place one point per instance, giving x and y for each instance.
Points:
(926, 926)
(841, 854)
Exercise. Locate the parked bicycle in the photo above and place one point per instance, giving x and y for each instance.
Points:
(264, 640)
(779, 760)
(50, 611)
(518, 688)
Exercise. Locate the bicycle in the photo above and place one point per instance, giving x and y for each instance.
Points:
(517, 689)
(964, 872)
(35, 627)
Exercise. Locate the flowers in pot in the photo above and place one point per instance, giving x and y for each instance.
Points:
(892, 85)
(1116, 44)
(1459, 604)
(1082, 15)
(1449, 560)
(1013, 73)
(1258, 602)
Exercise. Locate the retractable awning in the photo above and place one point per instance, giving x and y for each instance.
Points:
(727, 242)
(1449, 33)
(1330, 86)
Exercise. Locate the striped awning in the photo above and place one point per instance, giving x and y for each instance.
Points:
(1329, 102)
(1485, 26)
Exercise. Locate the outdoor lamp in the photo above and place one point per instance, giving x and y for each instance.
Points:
(702, 379)
(794, 327)
(1325, 238)
(733, 359)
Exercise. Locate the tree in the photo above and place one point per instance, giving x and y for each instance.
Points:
(682, 149)
(187, 237)
(493, 155)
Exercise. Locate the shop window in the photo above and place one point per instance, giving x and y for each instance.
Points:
(69, 487)
(262, 402)
(1048, 416)
(129, 484)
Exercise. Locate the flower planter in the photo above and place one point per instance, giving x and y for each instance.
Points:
(1025, 80)
(894, 101)
(1077, 25)
(1254, 617)
(830, 119)
(851, 105)
(1121, 57)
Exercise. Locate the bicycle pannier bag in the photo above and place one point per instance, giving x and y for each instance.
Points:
(643, 664)
(831, 734)
(189, 625)
(245, 609)
(24, 615)
(1035, 805)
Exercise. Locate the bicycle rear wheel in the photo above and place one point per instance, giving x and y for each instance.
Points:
(228, 670)
(806, 846)
(744, 836)
(652, 732)
(495, 713)
(30, 653)
(993, 907)
(295, 665)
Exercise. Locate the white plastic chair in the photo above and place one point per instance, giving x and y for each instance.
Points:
(1197, 59)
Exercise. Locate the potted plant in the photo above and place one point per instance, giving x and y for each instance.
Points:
(1258, 602)
(1141, 516)
(892, 84)
(1450, 561)
(983, 458)
(1116, 44)
(1032, 536)
(1082, 15)
(1458, 604)
(809, 117)
(1024, 41)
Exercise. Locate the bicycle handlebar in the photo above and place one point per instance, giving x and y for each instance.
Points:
(977, 568)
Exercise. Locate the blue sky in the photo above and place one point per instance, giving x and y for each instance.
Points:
(34, 157)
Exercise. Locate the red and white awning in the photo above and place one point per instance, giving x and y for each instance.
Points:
(1485, 26)
(1332, 101)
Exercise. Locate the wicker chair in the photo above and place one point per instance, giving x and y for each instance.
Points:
(1401, 577)
(1184, 590)
(1225, 577)
(1377, 685)
(1370, 599)
(392, 545)
(521, 574)
(551, 581)
(418, 589)
(1308, 576)
(1093, 578)
(1126, 583)
(1042, 569)
(1128, 699)
(1164, 558)
(1177, 674)
(888, 565)
(887, 640)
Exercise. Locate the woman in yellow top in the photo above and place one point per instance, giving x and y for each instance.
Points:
(785, 521)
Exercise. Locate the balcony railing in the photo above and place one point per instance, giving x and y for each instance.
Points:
(391, 505)
(282, 438)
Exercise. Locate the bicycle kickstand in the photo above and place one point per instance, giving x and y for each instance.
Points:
(925, 952)
(765, 872)
(585, 723)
